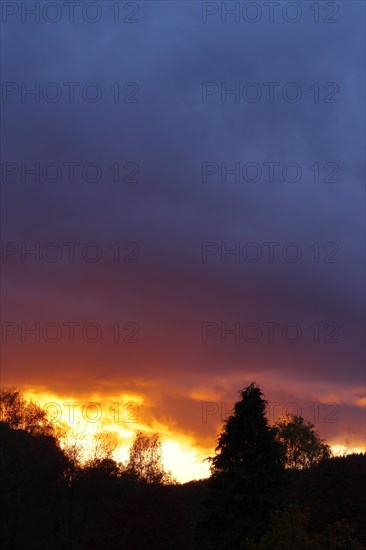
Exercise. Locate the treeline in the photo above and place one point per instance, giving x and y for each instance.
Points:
(278, 487)
(271, 487)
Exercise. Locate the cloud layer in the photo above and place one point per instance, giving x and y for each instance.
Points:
(286, 309)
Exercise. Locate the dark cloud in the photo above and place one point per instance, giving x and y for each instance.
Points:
(170, 212)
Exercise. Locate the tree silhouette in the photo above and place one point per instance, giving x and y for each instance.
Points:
(103, 445)
(20, 414)
(301, 444)
(146, 461)
(246, 477)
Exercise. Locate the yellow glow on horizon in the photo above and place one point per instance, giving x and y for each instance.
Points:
(342, 450)
(181, 455)
(184, 462)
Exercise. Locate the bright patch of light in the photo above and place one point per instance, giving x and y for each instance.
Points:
(185, 463)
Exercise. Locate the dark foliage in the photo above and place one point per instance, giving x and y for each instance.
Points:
(301, 444)
(334, 491)
(32, 488)
(247, 477)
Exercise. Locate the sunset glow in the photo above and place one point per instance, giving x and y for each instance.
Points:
(123, 414)
(182, 456)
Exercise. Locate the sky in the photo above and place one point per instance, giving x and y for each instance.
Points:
(183, 213)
